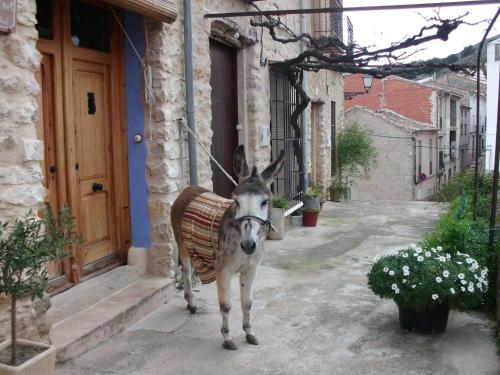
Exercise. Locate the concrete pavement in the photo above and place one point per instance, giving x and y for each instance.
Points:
(313, 312)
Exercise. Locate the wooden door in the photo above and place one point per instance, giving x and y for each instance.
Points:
(95, 184)
(224, 114)
(82, 125)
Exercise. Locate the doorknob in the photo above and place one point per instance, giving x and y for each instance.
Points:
(97, 187)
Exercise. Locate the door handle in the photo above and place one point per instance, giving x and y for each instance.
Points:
(97, 187)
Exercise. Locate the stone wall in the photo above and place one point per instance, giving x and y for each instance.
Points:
(21, 150)
(167, 163)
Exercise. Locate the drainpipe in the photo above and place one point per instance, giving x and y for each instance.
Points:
(188, 66)
(303, 115)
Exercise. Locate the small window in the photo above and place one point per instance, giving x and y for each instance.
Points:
(90, 26)
(44, 23)
(497, 52)
(431, 153)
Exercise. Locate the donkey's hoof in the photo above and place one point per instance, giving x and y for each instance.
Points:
(252, 339)
(192, 309)
(229, 345)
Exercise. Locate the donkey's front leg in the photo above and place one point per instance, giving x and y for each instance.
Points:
(246, 281)
(223, 279)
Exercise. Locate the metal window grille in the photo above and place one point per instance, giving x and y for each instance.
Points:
(285, 135)
(333, 139)
(350, 32)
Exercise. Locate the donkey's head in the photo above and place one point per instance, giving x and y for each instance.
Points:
(252, 198)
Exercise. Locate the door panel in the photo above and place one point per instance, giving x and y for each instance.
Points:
(224, 114)
(94, 159)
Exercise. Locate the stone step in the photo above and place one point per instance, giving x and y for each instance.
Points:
(95, 324)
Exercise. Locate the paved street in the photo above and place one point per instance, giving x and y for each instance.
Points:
(313, 312)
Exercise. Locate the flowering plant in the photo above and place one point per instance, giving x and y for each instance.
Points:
(419, 277)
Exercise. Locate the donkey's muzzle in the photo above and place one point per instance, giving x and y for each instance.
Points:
(248, 246)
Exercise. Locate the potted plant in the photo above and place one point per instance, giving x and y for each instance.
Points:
(26, 245)
(311, 199)
(278, 206)
(310, 217)
(425, 282)
(338, 190)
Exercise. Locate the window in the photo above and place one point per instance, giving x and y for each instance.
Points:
(453, 113)
(431, 152)
(44, 19)
(497, 52)
(419, 163)
(90, 26)
(441, 160)
(333, 139)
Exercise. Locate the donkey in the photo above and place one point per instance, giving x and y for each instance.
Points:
(221, 237)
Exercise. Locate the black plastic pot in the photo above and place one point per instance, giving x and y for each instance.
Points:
(429, 321)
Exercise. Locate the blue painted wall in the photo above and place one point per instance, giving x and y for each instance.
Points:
(141, 227)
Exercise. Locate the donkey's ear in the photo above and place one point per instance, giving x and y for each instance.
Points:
(273, 169)
(240, 163)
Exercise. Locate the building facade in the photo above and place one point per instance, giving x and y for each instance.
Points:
(493, 70)
(76, 128)
(405, 168)
(436, 105)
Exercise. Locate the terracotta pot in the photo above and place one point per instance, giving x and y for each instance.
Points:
(310, 218)
(428, 321)
(41, 364)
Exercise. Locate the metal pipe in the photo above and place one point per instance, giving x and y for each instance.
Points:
(188, 68)
(281, 12)
(303, 114)
(478, 92)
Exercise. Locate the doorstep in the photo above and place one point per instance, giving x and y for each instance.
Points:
(94, 323)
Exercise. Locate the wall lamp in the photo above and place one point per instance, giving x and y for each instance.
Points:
(367, 83)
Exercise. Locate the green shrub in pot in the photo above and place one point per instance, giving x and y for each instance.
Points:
(279, 204)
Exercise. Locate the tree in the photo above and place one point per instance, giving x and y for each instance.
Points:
(26, 245)
(356, 155)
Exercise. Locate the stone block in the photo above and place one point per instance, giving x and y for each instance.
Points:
(32, 150)
(22, 54)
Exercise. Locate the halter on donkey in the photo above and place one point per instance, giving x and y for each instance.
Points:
(220, 237)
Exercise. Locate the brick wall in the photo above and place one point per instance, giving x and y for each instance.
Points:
(409, 99)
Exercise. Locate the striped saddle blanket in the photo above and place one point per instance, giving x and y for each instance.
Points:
(200, 232)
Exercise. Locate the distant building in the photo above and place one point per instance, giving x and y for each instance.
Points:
(466, 86)
(405, 168)
(434, 105)
(493, 69)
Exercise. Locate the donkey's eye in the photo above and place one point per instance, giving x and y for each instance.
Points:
(264, 203)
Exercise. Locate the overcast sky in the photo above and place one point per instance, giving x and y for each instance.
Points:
(380, 28)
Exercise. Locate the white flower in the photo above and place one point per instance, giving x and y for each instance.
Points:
(386, 269)
(446, 273)
(418, 250)
(480, 286)
(428, 254)
(448, 256)
(459, 262)
(463, 282)
(459, 253)
(406, 273)
(439, 248)
(441, 258)
(396, 291)
(438, 279)
(433, 249)
(462, 288)
(394, 286)
(391, 273)
(461, 276)
(405, 255)
(452, 291)
(468, 260)
(404, 281)
(420, 258)
(406, 268)
(415, 254)
(470, 288)
(377, 258)
(413, 246)
(435, 297)
(413, 286)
